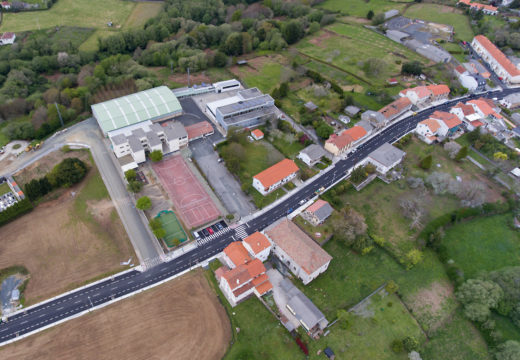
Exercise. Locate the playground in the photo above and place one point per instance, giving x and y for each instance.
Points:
(174, 232)
(191, 201)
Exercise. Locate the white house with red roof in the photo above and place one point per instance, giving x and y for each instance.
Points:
(241, 276)
(257, 134)
(449, 123)
(7, 38)
(6, 5)
(338, 144)
(467, 114)
(275, 176)
(422, 96)
(318, 212)
(427, 130)
(304, 257)
(258, 246)
(496, 59)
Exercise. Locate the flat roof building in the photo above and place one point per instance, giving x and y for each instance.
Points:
(155, 104)
(248, 108)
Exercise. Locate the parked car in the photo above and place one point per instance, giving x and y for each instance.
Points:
(223, 223)
(196, 235)
(214, 227)
(205, 232)
(219, 226)
(210, 230)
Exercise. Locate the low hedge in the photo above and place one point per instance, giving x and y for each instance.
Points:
(15, 211)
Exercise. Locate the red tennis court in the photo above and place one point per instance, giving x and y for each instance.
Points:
(192, 202)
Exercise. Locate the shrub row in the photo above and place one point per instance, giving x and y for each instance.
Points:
(13, 212)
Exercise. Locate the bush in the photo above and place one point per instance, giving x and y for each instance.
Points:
(410, 344)
(230, 216)
(67, 173)
(397, 346)
(156, 155)
(391, 287)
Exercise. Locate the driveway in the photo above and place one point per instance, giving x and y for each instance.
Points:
(223, 183)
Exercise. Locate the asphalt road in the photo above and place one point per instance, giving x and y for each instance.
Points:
(83, 299)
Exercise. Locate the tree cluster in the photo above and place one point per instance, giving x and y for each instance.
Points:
(12, 212)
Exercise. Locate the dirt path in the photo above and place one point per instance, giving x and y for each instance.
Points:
(179, 320)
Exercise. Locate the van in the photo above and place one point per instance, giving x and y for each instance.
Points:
(196, 235)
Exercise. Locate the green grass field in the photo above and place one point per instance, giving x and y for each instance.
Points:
(444, 15)
(483, 244)
(360, 8)
(89, 14)
(457, 340)
(351, 46)
(173, 229)
(267, 78)
(4, 188)
(142, 12)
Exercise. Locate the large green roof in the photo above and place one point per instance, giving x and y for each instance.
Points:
(132, 109)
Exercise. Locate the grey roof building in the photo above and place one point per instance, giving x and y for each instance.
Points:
(312, 154)
(391, 13)
(175, 130)
(318, 212)
(375, 118)
(303, 309)
(365, 124)
(310, 106)
(385, 157)
(135, 143)
(352, 110)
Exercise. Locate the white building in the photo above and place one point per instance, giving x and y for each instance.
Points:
(297, 251)
(226, 85)
(427, 130)
(7, 38)
(385, 158)
(511, 101)
(312, 154)
(496, 59)
(131, 143)
(277, 175)
(258, 246)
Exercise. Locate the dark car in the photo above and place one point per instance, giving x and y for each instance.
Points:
(219, 226)
(215, 227)
(223, 223)
(205, 232)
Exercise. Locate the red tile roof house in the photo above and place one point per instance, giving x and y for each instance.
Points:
(6, 5)
(467, 114)
(449, 122)
(427, 130)
(258, 246)
(275, 176)
(396, 108)
(496, 59)
(422, 96)
(318, 212)
(243, 276)
(305, 258)
(7, 38)
(257, 134)
(339, 144)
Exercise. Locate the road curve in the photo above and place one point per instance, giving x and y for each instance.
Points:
(77, 302)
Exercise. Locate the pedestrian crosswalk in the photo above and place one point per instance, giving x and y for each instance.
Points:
(207, 239)
(241, 232)
(150, 263)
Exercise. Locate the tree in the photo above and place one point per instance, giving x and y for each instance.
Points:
(374, 66)
(378, 19)
(477, 312)
(426, 162)
(220, 59)
(156, 155)
(397, 346)
(324, 130)
(478, 297)
(510, 350)
(412, 68)
(349, 225)
(292, 31)
(370, 14)
(68, 172)
(410, 343)
(413, 210)
(284, 89)
(462, 153)
(134, 186)
(452, 148)
(143, 203)
(130, 175)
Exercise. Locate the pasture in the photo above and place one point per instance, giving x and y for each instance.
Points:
(483, 244)
(442, 14)
(89, 14)
(348, 47)
(360, 8)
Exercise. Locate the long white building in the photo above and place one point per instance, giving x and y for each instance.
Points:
(496, 59)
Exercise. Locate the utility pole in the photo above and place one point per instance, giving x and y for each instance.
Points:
(59, 113)
(188, 77)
